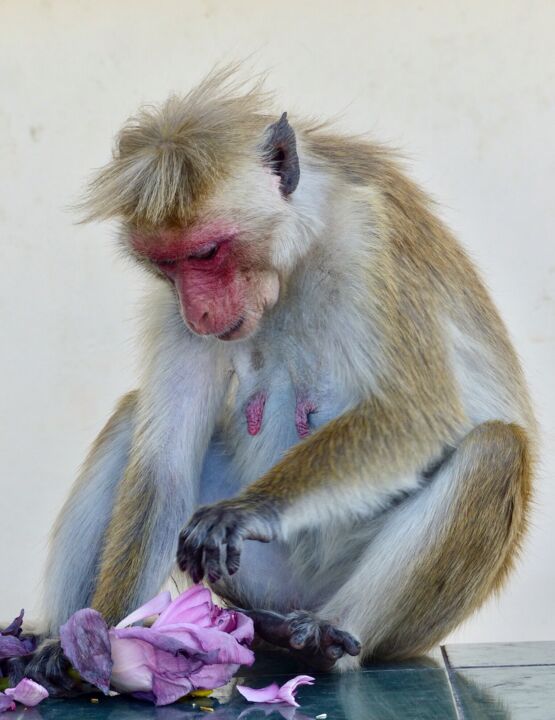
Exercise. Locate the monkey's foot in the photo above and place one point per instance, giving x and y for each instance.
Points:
(316, 642)
(49, 667)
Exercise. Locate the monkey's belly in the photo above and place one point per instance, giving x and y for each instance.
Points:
(257, 432)
(264, 578)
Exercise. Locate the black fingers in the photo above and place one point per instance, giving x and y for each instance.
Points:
(334, 652)
(200, 549)
(319, 643)
(234, 542)
(299, 639)
(196, 570)
(334, 637)
(50, 667)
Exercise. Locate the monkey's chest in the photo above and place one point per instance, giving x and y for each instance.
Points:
(275, 401)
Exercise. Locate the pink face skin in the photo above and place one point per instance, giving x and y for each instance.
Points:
(220, 293)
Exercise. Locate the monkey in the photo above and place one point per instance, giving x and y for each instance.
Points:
(331, 427)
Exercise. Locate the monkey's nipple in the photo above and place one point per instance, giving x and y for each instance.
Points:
(303, 409)
(254, 412)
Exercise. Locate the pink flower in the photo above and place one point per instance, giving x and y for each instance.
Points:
(6, 703)
(274, 693)
(27, 692)
(192, 645)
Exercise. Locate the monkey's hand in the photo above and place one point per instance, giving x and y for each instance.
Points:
(201, 543)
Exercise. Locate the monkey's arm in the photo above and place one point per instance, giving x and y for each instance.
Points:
(176, 416)
(353, 465)
(77, 538)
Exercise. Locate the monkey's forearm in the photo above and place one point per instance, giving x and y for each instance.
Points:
(355, 463)
(366, 448)
(158, 491)
(77, 540)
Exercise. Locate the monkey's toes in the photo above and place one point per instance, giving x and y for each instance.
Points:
(50, 667)
(318, 643)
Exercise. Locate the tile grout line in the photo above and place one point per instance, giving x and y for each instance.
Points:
(459, 710)
(508, 665)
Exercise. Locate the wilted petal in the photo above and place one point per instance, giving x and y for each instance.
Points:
(86, 643)
(141, 667)
(133, 661)
(167, 690)
(14, 628)
(287, 691)
(193, 606)
(243, 631)
(193, 644)
(153, 607)
(11, 642)
(274, 693)
(159, 640)
(11, 646)
(222, 646)
(6, 703)
(268, 694)
(209, 677)
(28, 692)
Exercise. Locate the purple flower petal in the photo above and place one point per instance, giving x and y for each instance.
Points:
(14, 628)
(167, 691)
(210, 640)
(153, 607)
(209, 677)
(287, 691)
(193, 606)
(237, 624)
(193, 644)
(139, 667)
(274, 693)
(6, 703)
(86, 643)
(133, 663)
(11, 644)
(268, 694)
(159, 640)
(28, 692)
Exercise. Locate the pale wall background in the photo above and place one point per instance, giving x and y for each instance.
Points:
(467, 89)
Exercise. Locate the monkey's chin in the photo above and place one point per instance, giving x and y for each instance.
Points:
(240, 330)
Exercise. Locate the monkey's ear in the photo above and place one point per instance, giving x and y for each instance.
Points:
(280, 154)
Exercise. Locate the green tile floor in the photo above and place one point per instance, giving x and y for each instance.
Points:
(513, 681)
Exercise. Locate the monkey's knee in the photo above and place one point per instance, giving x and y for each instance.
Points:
(494, 476)
(471, 531)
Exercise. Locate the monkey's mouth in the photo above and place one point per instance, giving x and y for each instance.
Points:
(228, 335)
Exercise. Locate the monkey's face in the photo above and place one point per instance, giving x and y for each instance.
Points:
(222, 272)
(227, 242)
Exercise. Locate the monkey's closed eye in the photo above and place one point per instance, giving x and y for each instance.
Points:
(206, 254)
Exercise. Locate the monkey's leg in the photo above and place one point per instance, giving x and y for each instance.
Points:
(77, 544)
(439, 554)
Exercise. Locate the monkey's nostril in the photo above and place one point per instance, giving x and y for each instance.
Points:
(201, 324)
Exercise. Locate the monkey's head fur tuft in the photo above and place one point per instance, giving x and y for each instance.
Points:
(168, 158)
